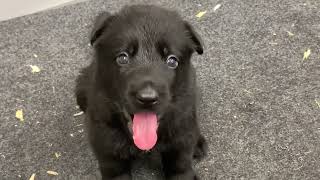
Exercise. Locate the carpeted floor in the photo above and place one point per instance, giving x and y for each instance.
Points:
(261, 100)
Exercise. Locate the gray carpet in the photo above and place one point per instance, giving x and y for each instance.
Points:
(261, 105)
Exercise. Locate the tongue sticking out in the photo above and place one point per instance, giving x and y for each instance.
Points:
(144, 128)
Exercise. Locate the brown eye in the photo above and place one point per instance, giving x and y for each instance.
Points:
(172, 61)
(123, 59)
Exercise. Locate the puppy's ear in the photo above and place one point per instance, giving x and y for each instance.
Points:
(197, 42)
(100, 24)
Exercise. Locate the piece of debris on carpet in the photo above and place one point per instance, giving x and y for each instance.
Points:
(79, 125)
(57, 155)
(317, 102)
(78, 114)
(200, 14)
(216, 7)
(32, 176)
(19, 115)
(290, 33)
(306, 54)
(53, 173)
(34, 69)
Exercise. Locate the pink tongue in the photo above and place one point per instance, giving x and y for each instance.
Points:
(144, 128)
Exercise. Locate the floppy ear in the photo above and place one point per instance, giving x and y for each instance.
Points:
(197, 42)
(101, 22)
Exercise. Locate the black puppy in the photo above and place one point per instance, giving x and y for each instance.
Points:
(139, 93)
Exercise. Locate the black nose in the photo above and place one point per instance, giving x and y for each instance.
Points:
(147, 96)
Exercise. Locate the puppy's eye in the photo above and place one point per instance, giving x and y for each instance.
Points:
(172, 61)
(122, 58)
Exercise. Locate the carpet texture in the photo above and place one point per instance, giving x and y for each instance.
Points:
(260, 109)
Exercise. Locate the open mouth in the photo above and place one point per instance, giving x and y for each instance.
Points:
(143, 126)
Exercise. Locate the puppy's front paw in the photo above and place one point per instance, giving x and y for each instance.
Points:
(121, 177)
(189, 175)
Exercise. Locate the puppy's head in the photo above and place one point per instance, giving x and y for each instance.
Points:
(143, 53)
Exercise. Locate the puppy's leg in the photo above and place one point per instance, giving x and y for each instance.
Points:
(177, 164)
(82, 84)
(201, 148)
(112, 168)
(114, 159)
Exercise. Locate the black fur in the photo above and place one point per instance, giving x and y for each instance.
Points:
(106, 90)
